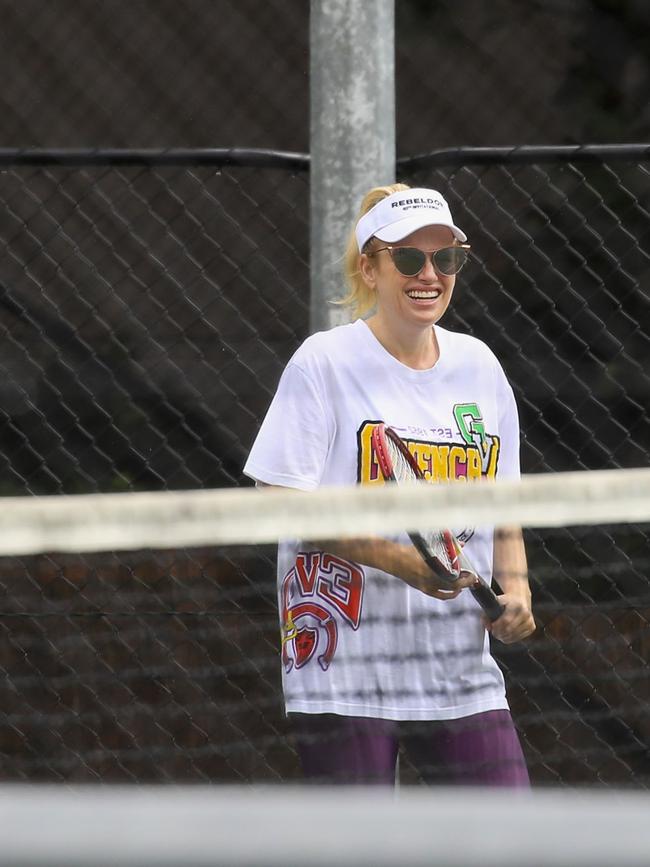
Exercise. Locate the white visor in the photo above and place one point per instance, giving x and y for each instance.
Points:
(405, 212)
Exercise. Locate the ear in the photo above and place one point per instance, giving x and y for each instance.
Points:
(367, 271)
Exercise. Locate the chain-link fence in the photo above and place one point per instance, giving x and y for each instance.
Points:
(132, 299)
(147, 310)
(210, 73)
(560, 291)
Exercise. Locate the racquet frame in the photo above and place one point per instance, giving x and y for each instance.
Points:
(482, 592)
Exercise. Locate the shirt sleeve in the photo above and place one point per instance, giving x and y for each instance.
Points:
(509, 433)
(292, 444)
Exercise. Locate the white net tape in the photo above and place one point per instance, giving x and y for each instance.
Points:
(174, 519)
(201, 826)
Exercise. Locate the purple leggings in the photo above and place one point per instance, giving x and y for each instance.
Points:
(481, 750)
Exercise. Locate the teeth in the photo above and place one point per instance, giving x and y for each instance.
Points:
(416, 293)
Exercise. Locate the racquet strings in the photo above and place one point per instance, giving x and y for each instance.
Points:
(402, 469)
(435, 540)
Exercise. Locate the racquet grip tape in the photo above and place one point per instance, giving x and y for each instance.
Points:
(487, 599)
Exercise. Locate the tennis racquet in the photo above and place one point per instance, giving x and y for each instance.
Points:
(440, 550)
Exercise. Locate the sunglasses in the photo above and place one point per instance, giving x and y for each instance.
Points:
(409, 261)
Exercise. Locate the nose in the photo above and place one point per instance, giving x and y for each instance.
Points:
(428, 273)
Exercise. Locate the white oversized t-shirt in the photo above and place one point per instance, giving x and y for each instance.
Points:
(357, 641)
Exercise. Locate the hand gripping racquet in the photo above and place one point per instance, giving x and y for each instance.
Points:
(439, 548)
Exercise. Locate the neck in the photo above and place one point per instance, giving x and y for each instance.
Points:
(415, 347)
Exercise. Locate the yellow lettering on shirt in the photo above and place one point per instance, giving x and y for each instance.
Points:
(439, 462)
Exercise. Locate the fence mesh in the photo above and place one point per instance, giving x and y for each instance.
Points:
(147, 312)
(558, 289)
(560, 293)
(208, 73)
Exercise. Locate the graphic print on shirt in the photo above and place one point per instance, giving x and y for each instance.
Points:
(440, 458)
(318, 593)
(472, 429)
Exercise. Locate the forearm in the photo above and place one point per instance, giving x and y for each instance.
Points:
(511, 573)
(373, 551)
(400, 560)
(510, 563)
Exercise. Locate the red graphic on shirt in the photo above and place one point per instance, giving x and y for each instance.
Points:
(304, 645)
(317, 588)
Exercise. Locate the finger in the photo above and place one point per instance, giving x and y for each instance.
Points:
(466, 579)
(431, 587)
(440, 593)
(511, 632)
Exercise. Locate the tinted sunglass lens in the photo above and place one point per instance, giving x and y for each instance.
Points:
(409, 261)
(450, 260)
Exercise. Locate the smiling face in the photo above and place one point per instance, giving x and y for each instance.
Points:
(410, 303)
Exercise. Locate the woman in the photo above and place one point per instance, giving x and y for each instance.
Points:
(375, 651)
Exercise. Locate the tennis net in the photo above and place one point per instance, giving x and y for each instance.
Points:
(141, 639)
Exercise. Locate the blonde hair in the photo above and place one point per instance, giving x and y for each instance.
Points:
(360, 298)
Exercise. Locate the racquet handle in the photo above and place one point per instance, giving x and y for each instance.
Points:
(487, 599)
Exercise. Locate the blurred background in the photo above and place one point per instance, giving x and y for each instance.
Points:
(147, 311)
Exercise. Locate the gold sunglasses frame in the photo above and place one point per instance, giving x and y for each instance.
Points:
(430, 254)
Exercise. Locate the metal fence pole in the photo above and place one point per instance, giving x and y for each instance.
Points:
(352, 93)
